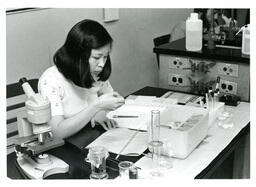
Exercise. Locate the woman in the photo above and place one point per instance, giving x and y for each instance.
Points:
(77, 85)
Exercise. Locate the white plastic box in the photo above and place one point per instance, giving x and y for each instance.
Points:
(185, 138)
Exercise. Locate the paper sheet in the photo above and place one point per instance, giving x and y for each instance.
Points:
(150, 100)
(143, 113)
(115, 139)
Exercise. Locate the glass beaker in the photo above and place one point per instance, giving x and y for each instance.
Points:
(124, 168)
(156, 147)
(97, 157)
(166, 161)
(225, 118)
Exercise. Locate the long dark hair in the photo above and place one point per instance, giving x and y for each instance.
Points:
(72, 59)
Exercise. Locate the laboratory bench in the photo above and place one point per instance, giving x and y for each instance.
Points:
(221, 164)
(195, 68)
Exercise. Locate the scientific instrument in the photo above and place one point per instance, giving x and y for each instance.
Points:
(194, 33)
(245, 39)
(97, 156)
(35, 137)
(127, 170)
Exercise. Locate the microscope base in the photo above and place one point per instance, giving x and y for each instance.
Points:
(36, 169)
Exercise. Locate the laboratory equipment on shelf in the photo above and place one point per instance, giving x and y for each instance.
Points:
(194, 33)
(211, 33)
(246, 40)
(35, 138)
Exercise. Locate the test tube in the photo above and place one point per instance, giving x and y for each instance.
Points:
(207, 101)
(215, 99)
(217, 83)
(201, 103)
(212, 100)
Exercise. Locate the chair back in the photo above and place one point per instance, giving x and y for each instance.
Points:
(15, 103)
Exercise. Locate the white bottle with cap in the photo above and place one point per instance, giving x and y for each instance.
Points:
(246, 40)
(194, 33)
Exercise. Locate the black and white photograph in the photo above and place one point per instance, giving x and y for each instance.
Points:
(127, 93)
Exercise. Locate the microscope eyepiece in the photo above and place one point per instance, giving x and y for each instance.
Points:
(23, 80)
(26, 87)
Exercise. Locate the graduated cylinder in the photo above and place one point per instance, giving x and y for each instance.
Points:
(154, 127)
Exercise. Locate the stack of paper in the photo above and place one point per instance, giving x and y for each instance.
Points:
(141, 116)
(134, 114)
(122, 141)
(150, 100)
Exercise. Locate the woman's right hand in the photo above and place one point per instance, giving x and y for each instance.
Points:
(110, 101)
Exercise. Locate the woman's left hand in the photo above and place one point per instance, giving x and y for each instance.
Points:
(101, 119)
(108, 124)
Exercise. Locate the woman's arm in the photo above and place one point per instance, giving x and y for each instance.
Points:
(64, 128)
(100, 117)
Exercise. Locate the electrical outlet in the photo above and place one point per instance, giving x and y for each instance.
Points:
(228, 69)
(179, 63)
(178, 80)
(228, 87)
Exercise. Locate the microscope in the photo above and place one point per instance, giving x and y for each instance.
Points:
(35, 137)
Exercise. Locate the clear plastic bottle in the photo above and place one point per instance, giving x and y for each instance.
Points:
(194, 33)
(246, 40)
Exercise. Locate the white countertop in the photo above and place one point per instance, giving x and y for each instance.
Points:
(216, 140)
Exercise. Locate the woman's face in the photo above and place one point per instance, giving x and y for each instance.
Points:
(98, 59)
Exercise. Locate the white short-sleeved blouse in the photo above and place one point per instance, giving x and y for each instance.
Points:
(66, 98)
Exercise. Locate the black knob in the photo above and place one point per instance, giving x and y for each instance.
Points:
(23, 80)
